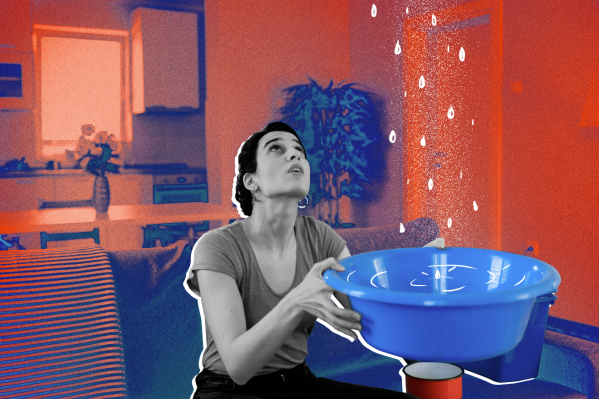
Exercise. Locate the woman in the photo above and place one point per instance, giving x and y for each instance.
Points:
(260, 282)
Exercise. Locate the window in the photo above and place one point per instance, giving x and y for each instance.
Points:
(81, 78)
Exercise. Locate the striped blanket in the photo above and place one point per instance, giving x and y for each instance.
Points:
(60, 334)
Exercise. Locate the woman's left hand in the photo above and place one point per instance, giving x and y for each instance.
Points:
(439, 243)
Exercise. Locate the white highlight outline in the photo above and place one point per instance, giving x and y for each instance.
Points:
(492, 278)
(350, 275)
(451, 269)
(469, 267)
(416, 285)
(506, 266)
(520, 280)
(374, 277)
(454, 290)
(425, 273)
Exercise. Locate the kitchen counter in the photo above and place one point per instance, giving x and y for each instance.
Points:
(79, 172)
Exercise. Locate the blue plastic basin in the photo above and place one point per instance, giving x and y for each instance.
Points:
(450, 305)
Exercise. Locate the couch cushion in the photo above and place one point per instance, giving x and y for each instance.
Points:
(418, 232)
(59, 326)
(162, 328)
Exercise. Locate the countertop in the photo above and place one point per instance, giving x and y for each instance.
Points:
(123, 171)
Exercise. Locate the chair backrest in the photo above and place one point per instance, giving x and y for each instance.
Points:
(60, 333)
(45, 237)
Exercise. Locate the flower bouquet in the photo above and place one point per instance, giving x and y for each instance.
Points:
(94, 154)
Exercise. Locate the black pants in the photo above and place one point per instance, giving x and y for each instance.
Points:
(295, 383)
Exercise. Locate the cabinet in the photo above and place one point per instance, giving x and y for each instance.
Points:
(16, 27)
(130, 189)
(164, 61)
(22, 194)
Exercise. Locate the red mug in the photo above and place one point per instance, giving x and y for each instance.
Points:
(428, 380)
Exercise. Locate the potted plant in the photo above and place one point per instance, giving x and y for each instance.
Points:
(339, 127)
(94, 155)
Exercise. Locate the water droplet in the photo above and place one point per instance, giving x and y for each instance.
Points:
(449, 222)
(462, 54)
(448, 49)
(475, 206)
(373, 11)
(392, 136)
(472, 122)
(421, 82)
(423, 141)
(430, 184)
(406, 10)
(405, 93)
(408, 181)
(437, 274)
(434, 20)
(460, 174)
(397, 48)
(450, 113)
(401, 228)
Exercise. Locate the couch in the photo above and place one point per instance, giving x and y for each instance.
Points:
(83, 322)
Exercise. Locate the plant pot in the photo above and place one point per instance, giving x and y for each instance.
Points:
(101, 195)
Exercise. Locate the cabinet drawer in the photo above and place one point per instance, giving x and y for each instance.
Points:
(22, 194)
(127, 189)
(75, 188)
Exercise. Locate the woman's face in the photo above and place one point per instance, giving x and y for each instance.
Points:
(278, 155)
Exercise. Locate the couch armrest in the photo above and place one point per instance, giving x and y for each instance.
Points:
(571, 362)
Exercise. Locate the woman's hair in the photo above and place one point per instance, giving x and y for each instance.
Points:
(247, 162)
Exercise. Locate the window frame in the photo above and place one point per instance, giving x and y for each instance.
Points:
(120, 36)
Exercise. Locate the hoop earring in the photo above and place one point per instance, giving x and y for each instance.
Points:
(299, 204)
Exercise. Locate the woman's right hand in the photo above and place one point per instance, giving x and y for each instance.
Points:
(313, 296)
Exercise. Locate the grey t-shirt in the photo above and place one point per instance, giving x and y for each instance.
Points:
(227, 250)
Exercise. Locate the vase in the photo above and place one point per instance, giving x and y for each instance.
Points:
(101, 195)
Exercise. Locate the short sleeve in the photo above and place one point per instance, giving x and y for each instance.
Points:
(333, 244)
(210, 252)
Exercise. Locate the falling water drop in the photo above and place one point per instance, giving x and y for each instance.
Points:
(373, 11)
(450, 113)
(405, 93)
(437, 275)
(448, 49)
(449, 222)
(423, 141)
(421, 82)
(472, 122)
(397, 48)
(401, 228)
(434, 20)
(430, 184)
(475, 206)
(460, 174)
(406, 10)
(462, 54)
(392, 136)
(408, 181)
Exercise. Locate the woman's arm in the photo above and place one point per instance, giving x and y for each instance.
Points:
(244, 352)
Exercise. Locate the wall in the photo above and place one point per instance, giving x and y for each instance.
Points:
(156, 138)
(549, 188)
(253, 51)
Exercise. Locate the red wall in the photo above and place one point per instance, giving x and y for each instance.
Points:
(549, 182)
(253, 51)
